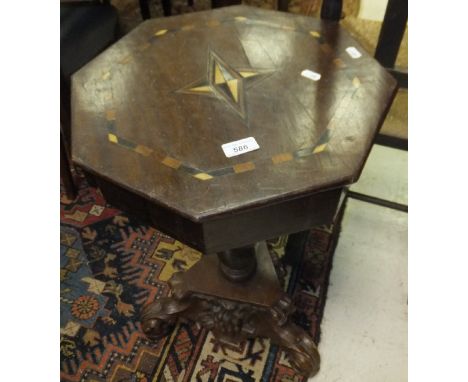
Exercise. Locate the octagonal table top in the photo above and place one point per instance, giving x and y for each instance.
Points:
(152, 112)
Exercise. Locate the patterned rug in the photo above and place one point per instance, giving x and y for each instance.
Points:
(111, 266)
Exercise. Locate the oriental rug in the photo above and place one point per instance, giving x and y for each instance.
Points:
(111, 266)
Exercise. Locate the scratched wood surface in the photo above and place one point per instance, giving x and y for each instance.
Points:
(150, 114)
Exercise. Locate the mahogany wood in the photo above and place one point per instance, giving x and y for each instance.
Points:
(238, 264)
(244, 227)
(263, 290)
(150, 114)
(137, 123)
(234, 311)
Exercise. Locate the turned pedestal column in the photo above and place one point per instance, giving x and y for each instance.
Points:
(236, 295)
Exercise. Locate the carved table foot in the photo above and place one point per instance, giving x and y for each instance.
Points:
(159, 317)
(256, 308)
(298, 345)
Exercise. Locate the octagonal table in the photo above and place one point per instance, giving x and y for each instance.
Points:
(222, 129)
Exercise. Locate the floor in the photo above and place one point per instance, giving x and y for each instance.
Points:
(385, 175)
(364, 328)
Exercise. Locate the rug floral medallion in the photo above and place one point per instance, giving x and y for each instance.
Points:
(111, 266)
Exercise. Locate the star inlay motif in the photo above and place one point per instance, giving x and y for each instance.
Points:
(226, 83)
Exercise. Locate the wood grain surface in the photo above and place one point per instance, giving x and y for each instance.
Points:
(149, 115)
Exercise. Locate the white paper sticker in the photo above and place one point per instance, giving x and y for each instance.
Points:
(353, 52)
(310, 75)
(239, 147)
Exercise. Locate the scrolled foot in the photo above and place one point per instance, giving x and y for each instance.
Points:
(155, 328)
(305, 358)
(297, 344)
(159, 317)
(299, 348)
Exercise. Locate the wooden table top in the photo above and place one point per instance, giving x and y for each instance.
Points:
(150, 113)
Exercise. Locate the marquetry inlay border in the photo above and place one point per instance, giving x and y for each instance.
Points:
(167, 160)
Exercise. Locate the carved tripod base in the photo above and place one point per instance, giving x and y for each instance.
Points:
(234, 311)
